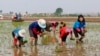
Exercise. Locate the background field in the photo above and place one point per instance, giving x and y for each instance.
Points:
(68, 19)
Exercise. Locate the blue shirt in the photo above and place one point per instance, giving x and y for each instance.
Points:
(78, 24)
(34, 25)
(15, 31)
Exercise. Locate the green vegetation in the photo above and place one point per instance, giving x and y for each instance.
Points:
(90, 47)
(7, 27)
(58, 12)
(58, 48)
(46, 39)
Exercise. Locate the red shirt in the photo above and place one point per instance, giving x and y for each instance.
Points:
(36, 31)
(53, 24)
(65, 30)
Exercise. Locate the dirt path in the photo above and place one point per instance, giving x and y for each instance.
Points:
(68, 19)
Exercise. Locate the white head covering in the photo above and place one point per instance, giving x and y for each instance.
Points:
(22, 32)
(42, 23)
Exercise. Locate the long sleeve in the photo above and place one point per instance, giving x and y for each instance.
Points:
(76, 24)
(61, 34)
(84, 25)
(36, 31)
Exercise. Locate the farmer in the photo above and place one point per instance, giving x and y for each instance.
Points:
(15, 16)
(18, 35)
(64, 32)
(53, 29)
(48, 25)
(54, 25)
(51, 25)
(79, 28)
(36, 28)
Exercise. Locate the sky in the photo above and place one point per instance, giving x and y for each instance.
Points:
(49, 6)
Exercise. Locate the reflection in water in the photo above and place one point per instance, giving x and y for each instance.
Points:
(78, 50)
(19, 52)
(63, 53)
(15, 51)
(34, 51)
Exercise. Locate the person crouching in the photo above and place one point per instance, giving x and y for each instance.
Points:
(64, 32)
(79, 28)
(18, 35)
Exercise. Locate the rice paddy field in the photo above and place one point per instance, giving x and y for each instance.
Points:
(90, 47)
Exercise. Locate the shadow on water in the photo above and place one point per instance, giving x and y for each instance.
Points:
(17, 24)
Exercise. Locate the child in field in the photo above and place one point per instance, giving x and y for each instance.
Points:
(64, 32)
(36, 28)
(79, 28)
(18, 35)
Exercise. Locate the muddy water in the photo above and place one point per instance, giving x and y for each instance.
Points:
(90, 47)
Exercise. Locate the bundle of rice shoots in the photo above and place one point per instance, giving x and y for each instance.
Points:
(58, 48)
(25, 41)
(45, 39)
(72, 38)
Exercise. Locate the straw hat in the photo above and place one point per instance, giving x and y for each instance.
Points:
(22, 32)
(42, 23)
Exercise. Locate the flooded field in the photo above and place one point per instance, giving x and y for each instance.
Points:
(90, 47)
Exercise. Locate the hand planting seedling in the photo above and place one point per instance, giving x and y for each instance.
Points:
(25, 41)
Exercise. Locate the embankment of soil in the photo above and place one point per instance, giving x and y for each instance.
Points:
(68, 19)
